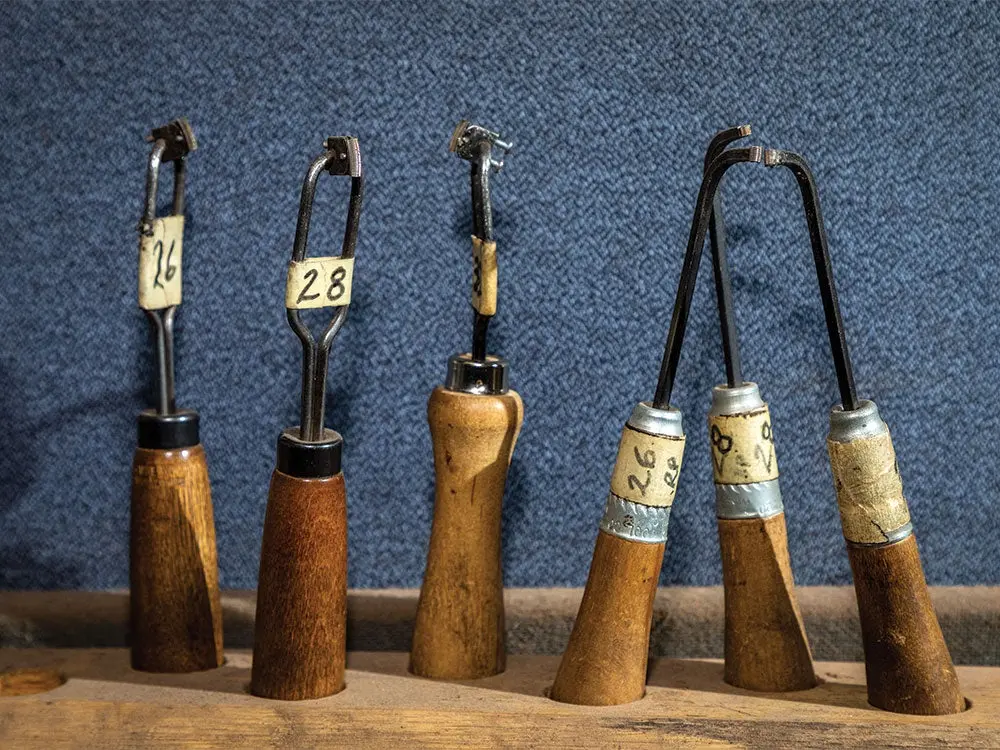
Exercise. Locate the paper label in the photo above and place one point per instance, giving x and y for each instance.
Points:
(160, 264)
(484, 276)
(319, 282)
(869, 488)
(647, 468)
(742, 447)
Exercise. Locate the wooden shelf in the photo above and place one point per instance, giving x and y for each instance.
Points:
(104, 704)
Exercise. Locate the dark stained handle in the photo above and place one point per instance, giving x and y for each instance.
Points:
(907, 662)
(176, 616)
(300, 632)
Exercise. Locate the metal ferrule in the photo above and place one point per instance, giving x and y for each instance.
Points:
(646, 418)
(741, 399)
(891, 537)
(754, 500)
(468, 375)
(863, 422)
(635, 522)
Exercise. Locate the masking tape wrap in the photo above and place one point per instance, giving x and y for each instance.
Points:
(647, 468)
(869, 489)
(742, 447)
(484, 276)
(319, 282)
(160, 264)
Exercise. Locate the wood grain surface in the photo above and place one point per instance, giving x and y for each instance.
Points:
(765, 641)
(459, 627)
(176, 617)
(907, 661)
(300, 637)
(606, 658)
(104, 704)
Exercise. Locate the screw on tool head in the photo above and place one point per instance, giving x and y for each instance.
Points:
(475, 143)
(824, 270)
(171, 142)
(692, 258)
(342, 156)
(467, 140)
(720, 263)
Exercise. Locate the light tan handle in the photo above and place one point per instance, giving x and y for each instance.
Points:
(300, 634)
(907, 662)
(765, 639)
(176, 616)
(605, 660)
(459, 628)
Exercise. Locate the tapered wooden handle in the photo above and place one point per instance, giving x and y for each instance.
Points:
(765, 639)
(907, 663)
(605, 660)
(300, 632)
(459, 628)
(176, 616)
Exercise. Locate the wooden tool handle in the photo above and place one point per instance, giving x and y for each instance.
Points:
(300, 633)
(176, 616)
(605, 660)
(765, 640)
(765, 643)
(459, 628)
(907, 662)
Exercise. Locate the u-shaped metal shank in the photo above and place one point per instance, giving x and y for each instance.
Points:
(824, 270)
(162, 321)
(315, 353)
(720, 263)
(689, 272)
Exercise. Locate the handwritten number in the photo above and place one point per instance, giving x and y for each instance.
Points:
(635, 484)
(647, 460)
(158, 249)
(671, 476)
(336, 283)
(171, 270)
(477, 275)
(722, 443)
(311, 274)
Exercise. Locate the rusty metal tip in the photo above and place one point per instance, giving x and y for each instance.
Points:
(772, 157)
(456, 134)
(745, 130)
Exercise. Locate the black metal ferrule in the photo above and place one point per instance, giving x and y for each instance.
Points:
(309, 460)
(168, 431)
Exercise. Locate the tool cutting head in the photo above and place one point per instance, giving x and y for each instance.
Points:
(824, 270)
(476, 145)
(323, 287)
(171, 143)
(720, 263)
(692, 259)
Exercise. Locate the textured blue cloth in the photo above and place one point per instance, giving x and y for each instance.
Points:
(894, 104)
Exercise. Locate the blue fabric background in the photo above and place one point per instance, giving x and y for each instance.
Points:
(894, 104)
